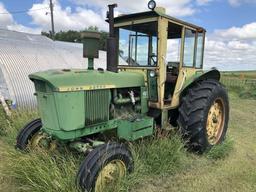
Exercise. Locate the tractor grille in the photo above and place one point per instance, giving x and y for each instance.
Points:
(96, 106)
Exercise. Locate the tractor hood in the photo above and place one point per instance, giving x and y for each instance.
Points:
(76, 80)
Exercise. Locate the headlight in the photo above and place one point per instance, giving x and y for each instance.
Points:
(152, 5)
(152, 74)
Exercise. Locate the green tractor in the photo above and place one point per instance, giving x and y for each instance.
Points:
(154, 79)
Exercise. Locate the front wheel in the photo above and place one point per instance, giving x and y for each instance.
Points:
(27, 133)
(31, 137)
(204, 114)
(104, 167)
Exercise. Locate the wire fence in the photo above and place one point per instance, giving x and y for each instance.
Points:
(239, 83)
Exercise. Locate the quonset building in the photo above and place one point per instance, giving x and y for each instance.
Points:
(22, 54)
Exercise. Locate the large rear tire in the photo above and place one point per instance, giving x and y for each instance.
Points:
(104, 166)
(203, 115)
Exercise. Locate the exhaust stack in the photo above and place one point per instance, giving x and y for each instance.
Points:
(112, 43)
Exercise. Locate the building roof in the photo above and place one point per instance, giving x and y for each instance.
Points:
(22, 54)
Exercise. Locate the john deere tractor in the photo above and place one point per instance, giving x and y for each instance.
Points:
(154, 79)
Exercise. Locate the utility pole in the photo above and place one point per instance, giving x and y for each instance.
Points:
(52, 20)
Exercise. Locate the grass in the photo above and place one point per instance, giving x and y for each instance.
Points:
(240, 74)
(4, 123)
(221, 151)
(242, 83)
(39, 171)
(216, 170)
(161, 164)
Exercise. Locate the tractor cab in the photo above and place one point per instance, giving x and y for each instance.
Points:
(167, 51)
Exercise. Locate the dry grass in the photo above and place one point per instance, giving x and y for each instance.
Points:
(237, 172)
(162, 165)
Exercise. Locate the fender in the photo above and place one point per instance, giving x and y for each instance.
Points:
(200, 75)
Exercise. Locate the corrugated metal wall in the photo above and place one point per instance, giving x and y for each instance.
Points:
(22, 54)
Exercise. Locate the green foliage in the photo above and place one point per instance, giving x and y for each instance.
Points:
(155, 157)
(217, 170)
(164, 155)
(74, 36)
(243, 84)
(40, 171)
(221, 151)
(240, 74)
(4, 122)
(16, 122)
(243, 92)
(69, 36)
(248, 94)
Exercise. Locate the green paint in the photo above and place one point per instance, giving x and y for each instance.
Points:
(96, 106)
(126, 129)
(152, 84)
(197, 75)
(144, 100)
(72, 114)
(77, 103)
(76, 134)
(190, 80)
(70, 110)
(75, 80)
(61, 111)
(135, 129)
(48, 110)
(90, 63)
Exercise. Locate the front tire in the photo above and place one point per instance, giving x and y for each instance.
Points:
(204, 114)
(104, 165)
(27, 133)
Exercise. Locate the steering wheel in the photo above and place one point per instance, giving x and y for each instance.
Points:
(153, 57)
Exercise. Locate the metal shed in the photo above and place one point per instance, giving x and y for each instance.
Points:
(22, 54)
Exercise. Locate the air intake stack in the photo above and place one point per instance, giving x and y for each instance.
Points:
(112, 43)
(91, 44)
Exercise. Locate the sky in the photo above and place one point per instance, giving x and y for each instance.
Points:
(230, 24)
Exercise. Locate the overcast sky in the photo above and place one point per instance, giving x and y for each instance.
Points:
(231, 24)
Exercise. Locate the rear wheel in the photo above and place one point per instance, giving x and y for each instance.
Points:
(104, 167)
(204, 114)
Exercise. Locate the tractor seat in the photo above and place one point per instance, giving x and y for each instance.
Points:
(170, 78)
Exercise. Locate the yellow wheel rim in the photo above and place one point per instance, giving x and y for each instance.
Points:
(110, 175)
(215, 121)
(41, 141)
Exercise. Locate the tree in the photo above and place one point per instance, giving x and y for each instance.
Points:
(74, 36)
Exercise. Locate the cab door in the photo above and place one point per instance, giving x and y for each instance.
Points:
(192, 52)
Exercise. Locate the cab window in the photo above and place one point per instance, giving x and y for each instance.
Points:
(189, 48)
(138, 45)
(200, 50)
